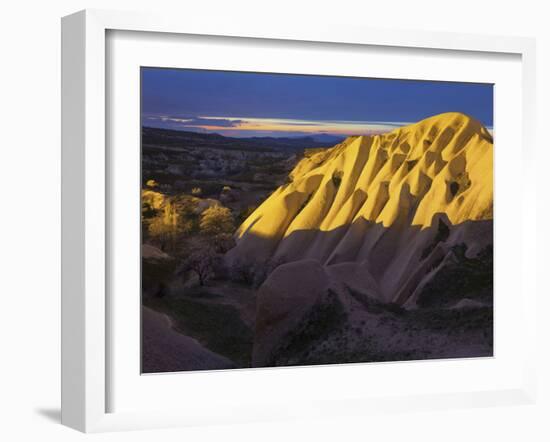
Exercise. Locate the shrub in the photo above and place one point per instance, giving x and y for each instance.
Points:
(252, 273)
(216, 220)
(223, 242)
(174, 219)
(241, 271)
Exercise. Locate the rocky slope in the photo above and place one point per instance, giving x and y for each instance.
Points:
(388, 209)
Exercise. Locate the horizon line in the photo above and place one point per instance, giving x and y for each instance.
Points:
(258, 127)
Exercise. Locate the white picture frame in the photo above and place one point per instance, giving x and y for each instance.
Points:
(85, 214)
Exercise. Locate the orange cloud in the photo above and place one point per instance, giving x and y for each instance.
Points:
(298, 126)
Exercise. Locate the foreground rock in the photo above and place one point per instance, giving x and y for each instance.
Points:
(284, 301)
(166, 350)
(308, 313)
(151, 252)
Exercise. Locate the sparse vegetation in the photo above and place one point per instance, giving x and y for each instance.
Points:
(166, 220)
(323, 320)
(471, 277)
(242, 271)
(230, 336)
(216, 220)
(157, 275)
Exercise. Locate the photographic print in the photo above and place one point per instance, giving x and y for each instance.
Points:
(295, 220)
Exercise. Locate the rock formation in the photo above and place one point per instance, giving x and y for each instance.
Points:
(388, 223)
(390, 207)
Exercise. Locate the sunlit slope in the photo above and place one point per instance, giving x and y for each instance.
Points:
(378, 199)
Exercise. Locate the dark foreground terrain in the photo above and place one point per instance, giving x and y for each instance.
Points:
(213, 327)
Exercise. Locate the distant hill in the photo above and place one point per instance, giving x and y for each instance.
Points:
(175, 138)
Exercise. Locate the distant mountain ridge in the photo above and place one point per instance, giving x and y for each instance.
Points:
(175, 138)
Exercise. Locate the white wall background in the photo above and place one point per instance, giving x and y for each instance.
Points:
(30, 219)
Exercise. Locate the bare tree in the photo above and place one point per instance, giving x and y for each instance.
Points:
(202, 259)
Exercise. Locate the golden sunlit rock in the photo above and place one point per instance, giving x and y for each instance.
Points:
(379, 201)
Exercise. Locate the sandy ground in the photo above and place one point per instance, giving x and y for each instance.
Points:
(165, 350)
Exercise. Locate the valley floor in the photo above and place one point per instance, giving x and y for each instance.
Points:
(218, 318)
(212, 327)
(166, 350)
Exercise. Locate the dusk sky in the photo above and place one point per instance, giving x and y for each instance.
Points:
(242, 104)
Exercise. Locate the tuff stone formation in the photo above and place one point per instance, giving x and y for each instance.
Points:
(386, 209)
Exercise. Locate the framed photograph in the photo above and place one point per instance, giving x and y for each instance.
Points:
(264, 222)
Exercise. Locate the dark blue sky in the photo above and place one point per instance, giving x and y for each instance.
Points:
(246, 104)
